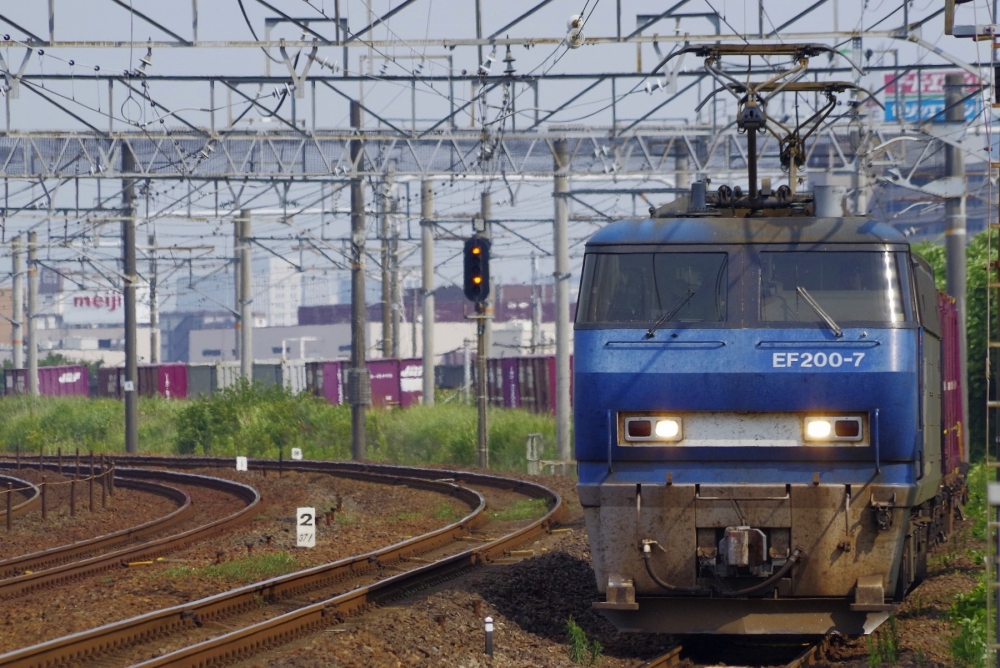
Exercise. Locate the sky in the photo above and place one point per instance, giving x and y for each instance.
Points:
(98, 36)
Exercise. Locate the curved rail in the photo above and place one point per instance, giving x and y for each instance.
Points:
(33, 500)
(156, 548)
(74, 647)
(37, 561)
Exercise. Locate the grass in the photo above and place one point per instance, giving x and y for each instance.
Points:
(581, 650)
(251, 568)
(448, 512)
(883, 646)
(263, 422)
(523, 509)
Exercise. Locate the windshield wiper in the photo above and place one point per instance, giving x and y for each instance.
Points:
(837, 331)
(669, 314)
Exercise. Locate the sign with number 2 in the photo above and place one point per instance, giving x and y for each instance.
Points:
(305, 522)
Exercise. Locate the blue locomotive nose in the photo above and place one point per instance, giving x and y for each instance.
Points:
(742, 395)
(758, 414)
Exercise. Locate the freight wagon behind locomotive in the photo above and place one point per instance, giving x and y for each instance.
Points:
(767, 406)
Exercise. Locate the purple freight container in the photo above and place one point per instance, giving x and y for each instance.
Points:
(955, 433)
(494, 381)
(172, 381)
(385, 382)
(508, 380)
(411, 382)
(333, 382)
(55, 381)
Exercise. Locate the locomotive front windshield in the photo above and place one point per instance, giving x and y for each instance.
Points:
(849, 286)
(644, 287)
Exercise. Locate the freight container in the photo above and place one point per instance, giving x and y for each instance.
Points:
(109, 382)
(201, 380)
(385, 382)
(267, 373)
(73, 380)
(172, 381)
(411, 382)
(955, 434)
(148, 380)
(227, 374)
(293, 376)
(509, 382)
(329, 381)
(53, 381)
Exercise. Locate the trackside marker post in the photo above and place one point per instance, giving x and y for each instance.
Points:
(305, 520)
(296, 454)
(489, 636)
(241, 463)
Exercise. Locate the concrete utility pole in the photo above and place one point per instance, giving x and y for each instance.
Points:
(237, 297)
(561, 275)
(486, 211)
(30, 316)
(154, 311)
(131, 388)
(246, 297)
(396, 296)
(17, 324)
(536, 307)
(383, 210)
(955, 234)
(482, 435)
(358, 381)
(427, 287)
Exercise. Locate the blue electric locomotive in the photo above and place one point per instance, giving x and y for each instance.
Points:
(758, 416)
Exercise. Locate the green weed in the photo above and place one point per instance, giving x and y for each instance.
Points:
(581, 650)
(253, 567)
(523, 509)
(968, 613)
(883, 646)
(446, 511)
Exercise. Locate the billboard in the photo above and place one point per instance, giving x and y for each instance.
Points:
(101, 307)
(919, 96)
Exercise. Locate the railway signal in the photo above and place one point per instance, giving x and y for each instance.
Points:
(477, 268)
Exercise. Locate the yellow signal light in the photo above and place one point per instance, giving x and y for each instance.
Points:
(477, 279)
(476, 250)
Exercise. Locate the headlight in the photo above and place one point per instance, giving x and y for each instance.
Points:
(833, 429)
(653, 428)
(668, 428)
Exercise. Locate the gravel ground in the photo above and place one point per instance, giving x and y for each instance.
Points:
(371, 516)
(531, 600)
(126, 509)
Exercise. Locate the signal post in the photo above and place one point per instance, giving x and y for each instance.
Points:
(476, 261)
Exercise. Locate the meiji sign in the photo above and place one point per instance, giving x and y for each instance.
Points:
(110, 301)
(102, 307)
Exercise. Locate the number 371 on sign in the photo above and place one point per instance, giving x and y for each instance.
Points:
(305, 521)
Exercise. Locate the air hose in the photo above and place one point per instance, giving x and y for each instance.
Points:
(647, 554)
(798, 554)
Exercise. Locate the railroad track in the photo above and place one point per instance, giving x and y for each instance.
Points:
(32, 496)
(64, 572)
(813, 652)
(301, 602)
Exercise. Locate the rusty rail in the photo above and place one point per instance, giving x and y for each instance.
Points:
(37, 561)
(150, 550)
(29, 490)
(92, 643)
